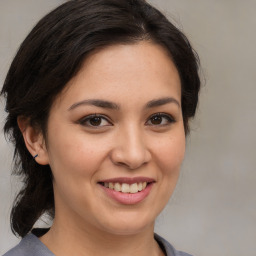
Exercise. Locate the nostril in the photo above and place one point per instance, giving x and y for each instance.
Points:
(122, 164)
(131, 155)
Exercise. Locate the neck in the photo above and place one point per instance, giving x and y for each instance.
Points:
(87, 241)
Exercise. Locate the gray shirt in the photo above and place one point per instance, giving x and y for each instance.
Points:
(30, 245)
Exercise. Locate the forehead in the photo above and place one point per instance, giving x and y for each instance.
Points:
(141, 69)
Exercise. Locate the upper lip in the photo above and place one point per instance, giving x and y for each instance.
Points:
(128, 180)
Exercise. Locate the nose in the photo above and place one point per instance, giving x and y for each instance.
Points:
(130, 150)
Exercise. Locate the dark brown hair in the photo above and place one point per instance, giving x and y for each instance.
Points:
(53, 53)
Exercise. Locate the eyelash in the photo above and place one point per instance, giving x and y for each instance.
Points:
(167, 117)
(84, 121)
(89, 118)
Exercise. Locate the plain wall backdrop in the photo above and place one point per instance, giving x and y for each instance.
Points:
(213, 210)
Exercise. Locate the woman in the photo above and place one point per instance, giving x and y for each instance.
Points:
(99, 97)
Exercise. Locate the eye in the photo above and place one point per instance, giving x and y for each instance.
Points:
(95, 121)
(160, 119)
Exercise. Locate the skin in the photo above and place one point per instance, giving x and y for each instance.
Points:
(126, 142)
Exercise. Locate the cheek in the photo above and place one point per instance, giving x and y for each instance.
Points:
(74, 162)
(74, 155)
(171, 154)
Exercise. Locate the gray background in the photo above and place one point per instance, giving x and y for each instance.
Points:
(213, 210)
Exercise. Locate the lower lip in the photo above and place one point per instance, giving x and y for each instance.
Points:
(128, 198)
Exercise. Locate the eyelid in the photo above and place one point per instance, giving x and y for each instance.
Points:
(84, 119)
(169, 117)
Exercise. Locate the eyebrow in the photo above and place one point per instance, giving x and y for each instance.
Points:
(162, 101)
(97, 103)
(112, 105)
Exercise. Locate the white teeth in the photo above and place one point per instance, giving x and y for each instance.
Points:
(117, 187)
(134, 188)
(140, 186)
(126, 188)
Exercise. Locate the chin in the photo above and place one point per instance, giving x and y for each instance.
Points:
(128, 230)
(128, 224)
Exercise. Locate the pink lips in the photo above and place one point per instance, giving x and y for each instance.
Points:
(128, 198)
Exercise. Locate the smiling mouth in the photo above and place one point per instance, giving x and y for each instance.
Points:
(126, 188)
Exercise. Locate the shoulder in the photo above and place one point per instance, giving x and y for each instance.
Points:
(30, 245)
(168, 248)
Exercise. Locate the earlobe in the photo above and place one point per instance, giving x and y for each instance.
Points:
(34, 141)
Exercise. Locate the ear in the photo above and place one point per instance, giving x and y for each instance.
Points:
(34, 140)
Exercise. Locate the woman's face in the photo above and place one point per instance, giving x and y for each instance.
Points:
(117, 126)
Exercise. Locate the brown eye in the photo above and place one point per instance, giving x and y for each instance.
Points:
(160, 119)
(95, 121)
(156, 120)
